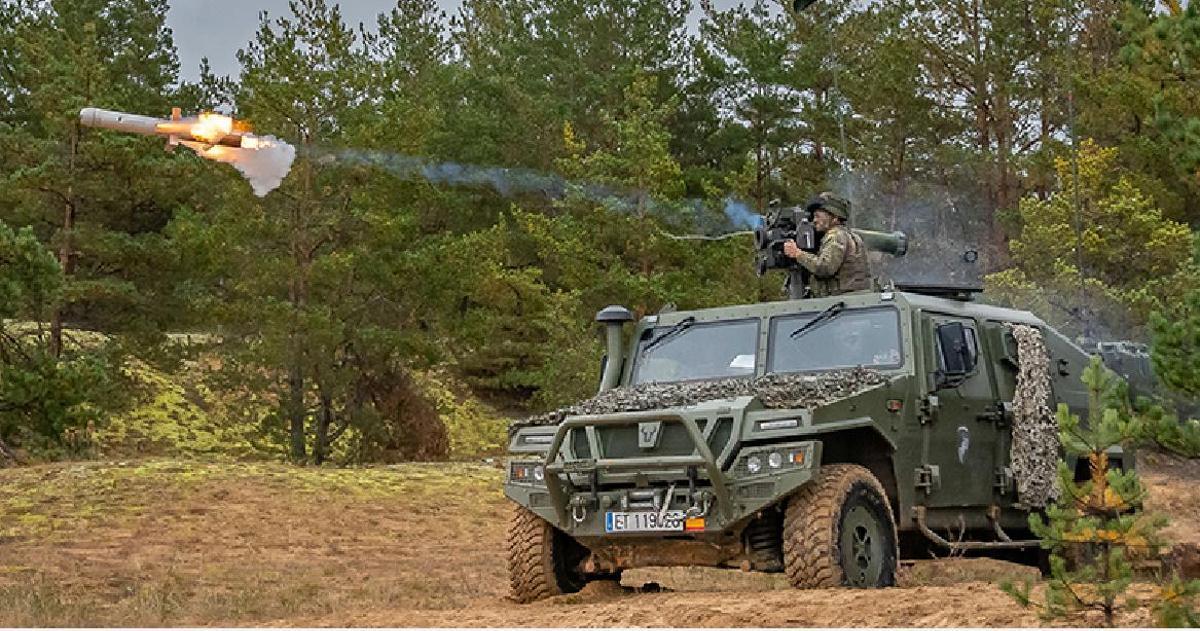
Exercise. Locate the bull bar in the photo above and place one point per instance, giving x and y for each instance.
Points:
(702, 457)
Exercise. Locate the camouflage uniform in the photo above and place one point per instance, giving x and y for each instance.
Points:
(840, 266)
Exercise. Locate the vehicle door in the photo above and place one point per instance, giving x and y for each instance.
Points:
(960, 441)
(1000, 355)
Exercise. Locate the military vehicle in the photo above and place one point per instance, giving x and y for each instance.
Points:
(825, 438)
(1131, 360)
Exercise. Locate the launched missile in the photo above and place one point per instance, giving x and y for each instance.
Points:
(207, 129)
(263, 160)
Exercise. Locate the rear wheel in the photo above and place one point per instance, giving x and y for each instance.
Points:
(543, 561)
(838, 530)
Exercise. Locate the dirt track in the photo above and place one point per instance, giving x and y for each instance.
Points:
(195, 544)
(754, 604)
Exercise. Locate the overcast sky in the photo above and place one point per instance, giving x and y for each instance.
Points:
(218, 28)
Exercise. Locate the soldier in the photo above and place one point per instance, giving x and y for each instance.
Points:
(840, 266)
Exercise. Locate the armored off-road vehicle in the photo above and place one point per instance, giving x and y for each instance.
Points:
(824, 438)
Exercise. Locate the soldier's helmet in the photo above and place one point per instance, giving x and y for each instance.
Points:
(832, 204)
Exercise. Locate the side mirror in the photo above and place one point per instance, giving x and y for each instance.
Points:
(957, 358)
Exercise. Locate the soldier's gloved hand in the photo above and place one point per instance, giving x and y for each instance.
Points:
(790, 249)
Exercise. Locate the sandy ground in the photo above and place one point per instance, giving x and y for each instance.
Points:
(1173, 485)
(167, 543)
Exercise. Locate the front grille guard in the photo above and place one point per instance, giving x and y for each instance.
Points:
(701, 457)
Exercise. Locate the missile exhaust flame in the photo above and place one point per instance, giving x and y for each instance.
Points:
(213, 127)
(263, 160)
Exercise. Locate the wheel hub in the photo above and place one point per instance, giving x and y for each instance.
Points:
(861, 547)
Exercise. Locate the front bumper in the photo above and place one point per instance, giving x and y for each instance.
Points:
(575, 495)
(584, 511)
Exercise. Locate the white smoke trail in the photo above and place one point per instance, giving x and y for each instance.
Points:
(508, 182)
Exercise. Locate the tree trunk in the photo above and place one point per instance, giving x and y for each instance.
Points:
(298, 297)
(898, 180)
(6, 454)
(295, 410)
(65, 259)
(324, 420)
(1004, 190)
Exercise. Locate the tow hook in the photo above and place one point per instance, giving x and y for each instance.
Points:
(702, 503)
(579, 508)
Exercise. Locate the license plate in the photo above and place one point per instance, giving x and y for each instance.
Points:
(644, 521)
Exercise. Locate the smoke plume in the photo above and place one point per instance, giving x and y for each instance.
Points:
(945, 227)
(740, 215)
(264, 167)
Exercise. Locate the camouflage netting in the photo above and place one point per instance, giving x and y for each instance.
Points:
(1035, 446)
(775, 391)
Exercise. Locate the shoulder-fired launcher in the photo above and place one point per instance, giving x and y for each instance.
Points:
(795, 224)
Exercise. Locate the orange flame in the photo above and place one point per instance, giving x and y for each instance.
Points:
(250, 141)
(212, 127)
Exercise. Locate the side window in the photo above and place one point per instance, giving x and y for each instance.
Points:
(972, 345)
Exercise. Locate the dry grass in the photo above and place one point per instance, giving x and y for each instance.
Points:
(170, 543)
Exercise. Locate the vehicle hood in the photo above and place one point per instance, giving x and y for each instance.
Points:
(781, 391)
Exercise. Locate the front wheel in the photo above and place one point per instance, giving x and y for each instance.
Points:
(838, 531)
(542, 560)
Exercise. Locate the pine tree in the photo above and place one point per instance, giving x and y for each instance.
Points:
(302, 78)
(99, 199)
(748, 56)
(1102, 265)
(45, 397)
(1097, 529)
(310, 282)
(529, 66)
(993, 71)
(1177, 344)
(1160, 69)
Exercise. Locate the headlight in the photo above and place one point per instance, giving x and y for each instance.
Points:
(775, 459)
(526, 472)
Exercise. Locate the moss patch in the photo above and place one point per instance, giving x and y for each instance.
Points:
(58, 501)
(176, 415)
(475, 429)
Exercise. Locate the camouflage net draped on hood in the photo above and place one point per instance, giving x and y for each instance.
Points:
(1035, 428)
(775, 391)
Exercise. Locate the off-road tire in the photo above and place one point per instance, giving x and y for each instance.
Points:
(541, 559)
(813, 526)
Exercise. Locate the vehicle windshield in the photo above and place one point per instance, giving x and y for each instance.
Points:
(855, 337)
(700, 351)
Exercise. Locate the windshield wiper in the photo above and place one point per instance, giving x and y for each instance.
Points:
(678, 328)
(821, 318)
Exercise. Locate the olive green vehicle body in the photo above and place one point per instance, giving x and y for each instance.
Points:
(939, 447)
